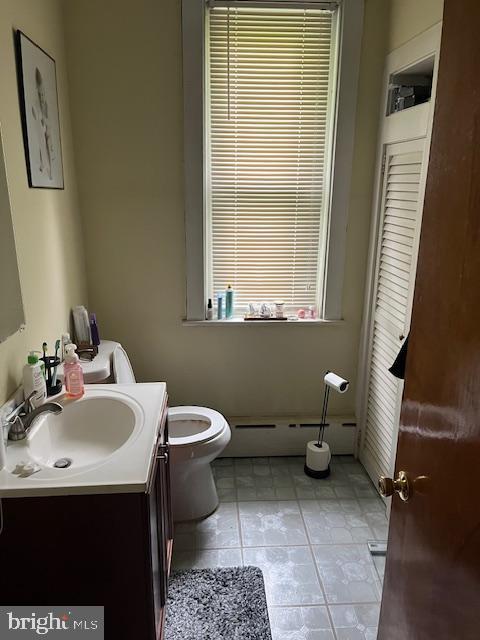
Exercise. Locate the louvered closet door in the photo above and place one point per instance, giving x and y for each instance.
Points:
(402, 203)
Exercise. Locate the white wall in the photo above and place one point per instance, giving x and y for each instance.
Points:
(54, 280)
(408, 18)
(125, 64)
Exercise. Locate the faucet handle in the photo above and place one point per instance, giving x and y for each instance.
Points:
(28, 404)
(24, 408)
(17, 429)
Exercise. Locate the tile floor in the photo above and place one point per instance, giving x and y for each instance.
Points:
(309, 538)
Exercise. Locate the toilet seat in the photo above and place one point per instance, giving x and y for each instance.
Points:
(202, 433)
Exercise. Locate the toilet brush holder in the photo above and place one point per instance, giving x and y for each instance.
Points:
(317, 463)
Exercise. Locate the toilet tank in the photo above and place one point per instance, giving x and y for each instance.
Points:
(122, 368)
(100, 369)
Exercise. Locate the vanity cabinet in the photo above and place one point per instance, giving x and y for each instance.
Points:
(110, 549)
(161, 527)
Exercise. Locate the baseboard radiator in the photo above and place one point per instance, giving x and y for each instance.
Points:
(288, 436)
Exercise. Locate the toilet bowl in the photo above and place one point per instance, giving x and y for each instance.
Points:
(197, 435)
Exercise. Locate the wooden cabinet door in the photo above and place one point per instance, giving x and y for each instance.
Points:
(156, 545)
(161, 526)
(164, 511)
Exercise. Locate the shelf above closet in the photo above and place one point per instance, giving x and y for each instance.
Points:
(411, 86)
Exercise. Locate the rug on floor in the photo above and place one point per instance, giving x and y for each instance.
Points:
(217, 604)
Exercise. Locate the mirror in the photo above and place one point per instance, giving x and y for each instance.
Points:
(12, 316)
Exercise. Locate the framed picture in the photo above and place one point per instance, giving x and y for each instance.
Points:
(40, 118)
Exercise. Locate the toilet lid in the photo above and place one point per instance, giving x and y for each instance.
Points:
(193, 425)
(122, 369)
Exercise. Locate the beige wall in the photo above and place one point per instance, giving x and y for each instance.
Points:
(125, 75)
(408, 18)
(42, 218)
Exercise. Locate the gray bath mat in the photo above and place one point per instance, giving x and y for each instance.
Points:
(217, 604)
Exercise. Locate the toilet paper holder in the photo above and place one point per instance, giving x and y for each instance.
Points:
(332, 381)
(317, 463)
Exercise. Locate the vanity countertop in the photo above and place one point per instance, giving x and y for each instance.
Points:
(132, 416)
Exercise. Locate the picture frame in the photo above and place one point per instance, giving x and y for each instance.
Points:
(38, 96)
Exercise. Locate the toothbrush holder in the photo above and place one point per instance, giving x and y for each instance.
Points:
(54, 385)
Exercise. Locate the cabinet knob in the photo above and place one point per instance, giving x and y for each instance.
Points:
(163, 452)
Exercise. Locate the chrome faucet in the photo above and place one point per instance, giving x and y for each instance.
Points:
(22, 418)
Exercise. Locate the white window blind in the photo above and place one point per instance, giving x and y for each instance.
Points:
(269, 106)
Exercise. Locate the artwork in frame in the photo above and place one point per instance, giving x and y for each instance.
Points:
(40, 117)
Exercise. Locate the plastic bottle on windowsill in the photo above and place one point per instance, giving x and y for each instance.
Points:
(229, 302)
(220, 306)
(209, 310)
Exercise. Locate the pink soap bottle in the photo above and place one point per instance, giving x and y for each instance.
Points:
(73, 373)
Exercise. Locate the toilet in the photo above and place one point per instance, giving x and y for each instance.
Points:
(197, 435)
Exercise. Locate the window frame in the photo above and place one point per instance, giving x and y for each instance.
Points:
(333, 253)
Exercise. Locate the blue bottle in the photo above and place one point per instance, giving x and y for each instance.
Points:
(219, 306)
(229, 302)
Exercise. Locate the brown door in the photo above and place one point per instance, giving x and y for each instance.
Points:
(432, 581)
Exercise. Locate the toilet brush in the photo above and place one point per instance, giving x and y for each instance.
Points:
(317, 463)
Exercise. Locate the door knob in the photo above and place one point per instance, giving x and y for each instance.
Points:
(400, 485)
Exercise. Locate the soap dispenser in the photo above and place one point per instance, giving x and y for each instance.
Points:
(73, 373)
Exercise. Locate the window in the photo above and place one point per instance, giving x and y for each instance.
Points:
(269, 92)
(270, 106)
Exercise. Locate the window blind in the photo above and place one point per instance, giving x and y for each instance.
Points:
(269, 107)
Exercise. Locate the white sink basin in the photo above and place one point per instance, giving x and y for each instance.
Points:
(108, 436)
(87, 431)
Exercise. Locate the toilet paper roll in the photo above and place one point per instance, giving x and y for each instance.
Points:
(336, 382)
(318, 458)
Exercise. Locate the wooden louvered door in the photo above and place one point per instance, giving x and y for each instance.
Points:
(398, 235)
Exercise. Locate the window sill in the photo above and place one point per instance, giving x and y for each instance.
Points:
(240, 322)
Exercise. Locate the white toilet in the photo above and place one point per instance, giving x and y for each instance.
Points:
(197, 435)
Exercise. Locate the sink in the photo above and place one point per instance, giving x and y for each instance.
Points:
(87, 432)
(103, 442)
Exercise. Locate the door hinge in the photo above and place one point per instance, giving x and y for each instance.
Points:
(384, 162)
(359, 438)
